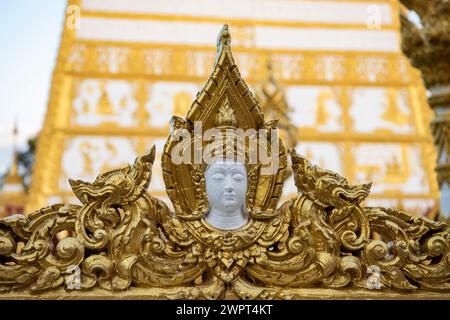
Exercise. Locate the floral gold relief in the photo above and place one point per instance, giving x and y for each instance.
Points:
(318, 243)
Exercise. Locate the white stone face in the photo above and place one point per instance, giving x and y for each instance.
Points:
(226, 187)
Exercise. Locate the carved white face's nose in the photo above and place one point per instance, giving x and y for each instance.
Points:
(229, 184)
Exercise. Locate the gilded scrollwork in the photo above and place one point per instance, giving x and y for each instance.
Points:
(121, 237)
(427, 47)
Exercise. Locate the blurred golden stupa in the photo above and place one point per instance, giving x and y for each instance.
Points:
(12, 192)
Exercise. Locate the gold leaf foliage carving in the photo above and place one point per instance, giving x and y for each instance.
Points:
(121, 237)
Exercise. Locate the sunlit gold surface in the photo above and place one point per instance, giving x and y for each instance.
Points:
(320, 239)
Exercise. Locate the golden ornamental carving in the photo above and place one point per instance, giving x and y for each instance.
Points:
(167, 61)
(123, 238)
(428, 48)
(440, 127)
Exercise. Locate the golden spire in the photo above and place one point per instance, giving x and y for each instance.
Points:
(275, 106)
(224, 38)
(223, 44)
(13, 174)
(272, 95)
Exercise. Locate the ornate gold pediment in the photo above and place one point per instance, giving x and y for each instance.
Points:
(123, 239)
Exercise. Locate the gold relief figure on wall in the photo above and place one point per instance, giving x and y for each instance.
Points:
(324, 111)
(92, 161)
(140, 92)
(244, 36)
(86, 108)
(321, 113)
(85, 150)
(124, 102)
(394, 169)
(323, 237)
(392, 112)
(104, 106)
(98, 102)
(397, 170)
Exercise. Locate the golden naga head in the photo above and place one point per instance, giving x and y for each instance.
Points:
(224, 122)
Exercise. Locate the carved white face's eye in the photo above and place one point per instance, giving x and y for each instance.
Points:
(238, 177)
(218, 176)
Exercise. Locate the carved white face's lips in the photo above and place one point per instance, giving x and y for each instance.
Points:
(230, 197)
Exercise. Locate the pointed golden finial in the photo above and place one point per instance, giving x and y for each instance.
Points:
(13, 171)
(224, 38)
(13, 174)
(223, 42)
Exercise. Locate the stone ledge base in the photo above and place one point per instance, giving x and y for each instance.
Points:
(164, 293)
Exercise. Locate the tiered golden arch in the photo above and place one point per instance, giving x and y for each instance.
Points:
(125, 240)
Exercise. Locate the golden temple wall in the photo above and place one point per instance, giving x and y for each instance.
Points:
(124, 67)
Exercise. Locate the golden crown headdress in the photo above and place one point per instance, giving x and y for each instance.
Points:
(226, 104)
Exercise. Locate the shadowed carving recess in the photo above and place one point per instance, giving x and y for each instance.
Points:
(122, 237)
